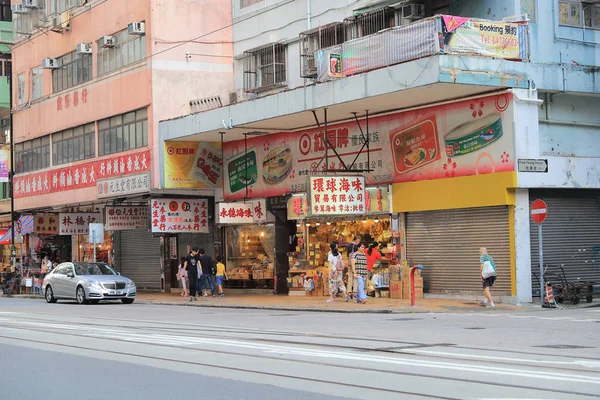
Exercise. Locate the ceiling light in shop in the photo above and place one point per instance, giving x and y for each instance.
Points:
(376, 220)
(364, 221)
(262, 233)
(248, 240)
(298, 225)
(307, 224)
(328, 222)
(318, 224)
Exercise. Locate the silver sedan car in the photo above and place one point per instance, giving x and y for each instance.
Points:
(87, 282)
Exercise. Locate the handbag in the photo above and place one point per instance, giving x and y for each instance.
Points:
(488, 270)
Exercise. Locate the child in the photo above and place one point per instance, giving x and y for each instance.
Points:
(182, 276)
(221, 274)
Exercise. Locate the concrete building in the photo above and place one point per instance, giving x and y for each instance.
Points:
(94, 78)
(475, 110)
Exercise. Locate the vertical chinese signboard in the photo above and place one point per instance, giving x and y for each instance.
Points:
(77, 223)
(337, 195)
(179, 215)
(297, 207)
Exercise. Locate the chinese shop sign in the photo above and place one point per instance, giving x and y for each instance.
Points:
(179, 215)
(46, 224)
(71, 99)
(254, 211)
(297, 207)
(122, 218)
(123, 185)
(193, 165)
(336, 195)
(81, 175)
(77, 223)
(377, 200)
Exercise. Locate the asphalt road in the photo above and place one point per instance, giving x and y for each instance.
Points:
(116, 351)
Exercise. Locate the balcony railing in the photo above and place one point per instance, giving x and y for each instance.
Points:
(442, 34)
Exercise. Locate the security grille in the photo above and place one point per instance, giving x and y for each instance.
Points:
(371, 22)
(316, 39)
(265, 68)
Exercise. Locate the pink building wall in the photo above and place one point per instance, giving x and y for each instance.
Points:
(165, 82)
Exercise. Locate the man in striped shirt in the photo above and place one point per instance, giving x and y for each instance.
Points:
(359, 266)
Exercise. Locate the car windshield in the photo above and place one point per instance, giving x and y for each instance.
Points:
(94, 269)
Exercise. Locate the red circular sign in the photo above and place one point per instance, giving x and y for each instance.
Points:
(539, 211)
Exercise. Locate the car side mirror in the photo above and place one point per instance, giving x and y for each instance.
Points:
(118, 273)
(70, 275)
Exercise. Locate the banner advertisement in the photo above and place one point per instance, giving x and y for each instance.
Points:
(81, 175)
(482, 37)
(123, 218)
(4, 163)
(193, 165)
(46, 224)
(179, 215)
(457, 139)
(77, 223)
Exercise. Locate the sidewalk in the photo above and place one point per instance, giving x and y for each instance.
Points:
(302, 303)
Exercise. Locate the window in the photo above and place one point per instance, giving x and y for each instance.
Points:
(5, 130)
(128, 49)
(73, 70)
(579, 13)
(591, 15)
(23, 24)
(123, 132)
(4, 192)
(37, 83)
(248, 3)
(5, 11)
(265, 67)
(74, 144)
(317, 39)
(5, 65)
(32, 155)
(370, 22)
(59, 6)
(21, 89)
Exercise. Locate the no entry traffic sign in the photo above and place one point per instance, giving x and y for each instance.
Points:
(539, 211)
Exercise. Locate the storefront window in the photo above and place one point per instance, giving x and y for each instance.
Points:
(85, 250)
(250, 252)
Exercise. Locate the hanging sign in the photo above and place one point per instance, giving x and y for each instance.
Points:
(123, 185)
(297, 207)
(377, 200)
(123, 218)
(179, 215)
(77, 223)
(250, 212)
(46, 224)
(337, 195)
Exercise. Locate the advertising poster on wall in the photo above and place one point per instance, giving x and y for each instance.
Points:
(457, 139)
(4, 163)
(192, 165)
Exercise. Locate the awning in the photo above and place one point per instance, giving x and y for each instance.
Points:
(26, 227)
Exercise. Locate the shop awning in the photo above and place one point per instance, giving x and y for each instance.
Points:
(26, 222)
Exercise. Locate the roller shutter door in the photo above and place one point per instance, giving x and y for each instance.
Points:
(139, 258)
(447, 243)
(571, 233)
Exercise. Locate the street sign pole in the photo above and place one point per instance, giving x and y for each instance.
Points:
(539, 212)
(542, 291)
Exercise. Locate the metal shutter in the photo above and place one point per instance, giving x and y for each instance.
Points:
(447, 243)
(138, 258)
(200, 240)
(571, 233)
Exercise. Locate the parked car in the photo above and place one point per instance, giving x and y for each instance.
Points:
(87, 282)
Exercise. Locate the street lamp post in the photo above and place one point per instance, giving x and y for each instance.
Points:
(13, 251)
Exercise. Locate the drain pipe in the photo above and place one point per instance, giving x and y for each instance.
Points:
(308, 14)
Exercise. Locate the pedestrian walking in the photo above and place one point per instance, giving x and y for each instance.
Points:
(359, 268)
(182, 276)
(336, 273)
(351, 249)
(487, 270)
(208, 271)
(221, 275)
(191, 267)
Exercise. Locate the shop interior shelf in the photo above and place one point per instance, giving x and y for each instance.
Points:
(303, 271)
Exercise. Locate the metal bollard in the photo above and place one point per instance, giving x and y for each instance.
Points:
(412, 283)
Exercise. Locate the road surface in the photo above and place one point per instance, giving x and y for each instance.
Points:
(116, 351)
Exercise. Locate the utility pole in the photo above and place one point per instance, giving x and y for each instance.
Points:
(13, 250)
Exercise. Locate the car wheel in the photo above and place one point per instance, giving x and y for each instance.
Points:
(50, 295)
(127, 301)
(94, 301)
(80, 295)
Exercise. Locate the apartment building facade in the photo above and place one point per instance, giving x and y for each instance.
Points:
(501, 95)
(93, 79)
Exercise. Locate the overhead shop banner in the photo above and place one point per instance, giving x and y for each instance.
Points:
(77, 223)
(4, 163)
(81, 175)
(337, 195)
(193, 165)
(484, 38)
(124, 218)
(456, 139)
(179, 215)
(253, 211)
(46, 224)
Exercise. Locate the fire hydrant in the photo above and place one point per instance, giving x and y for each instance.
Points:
(412, 283)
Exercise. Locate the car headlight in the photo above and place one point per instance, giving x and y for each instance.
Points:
(131, 284)
(95, 284)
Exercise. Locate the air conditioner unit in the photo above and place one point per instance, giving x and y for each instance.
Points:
(49, 63)
(19, 9)
(136, 28)
(30, 3)
(107, 41)
(84, 48)
(413, 11)
(238, 96)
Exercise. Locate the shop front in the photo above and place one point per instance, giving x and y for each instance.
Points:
(249, 230)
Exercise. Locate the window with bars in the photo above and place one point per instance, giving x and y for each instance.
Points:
(5, 65)
(370, 22)
(315, 40)
(5, 11)
(74, 144)
(74, 69)
(32, 155)
(21, 89)
(578, 13)
(37, 83)
(265, 67)
(123, 132)
(59, 6)
(128, 49)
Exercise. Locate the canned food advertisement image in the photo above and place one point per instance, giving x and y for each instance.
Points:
(461, 138)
